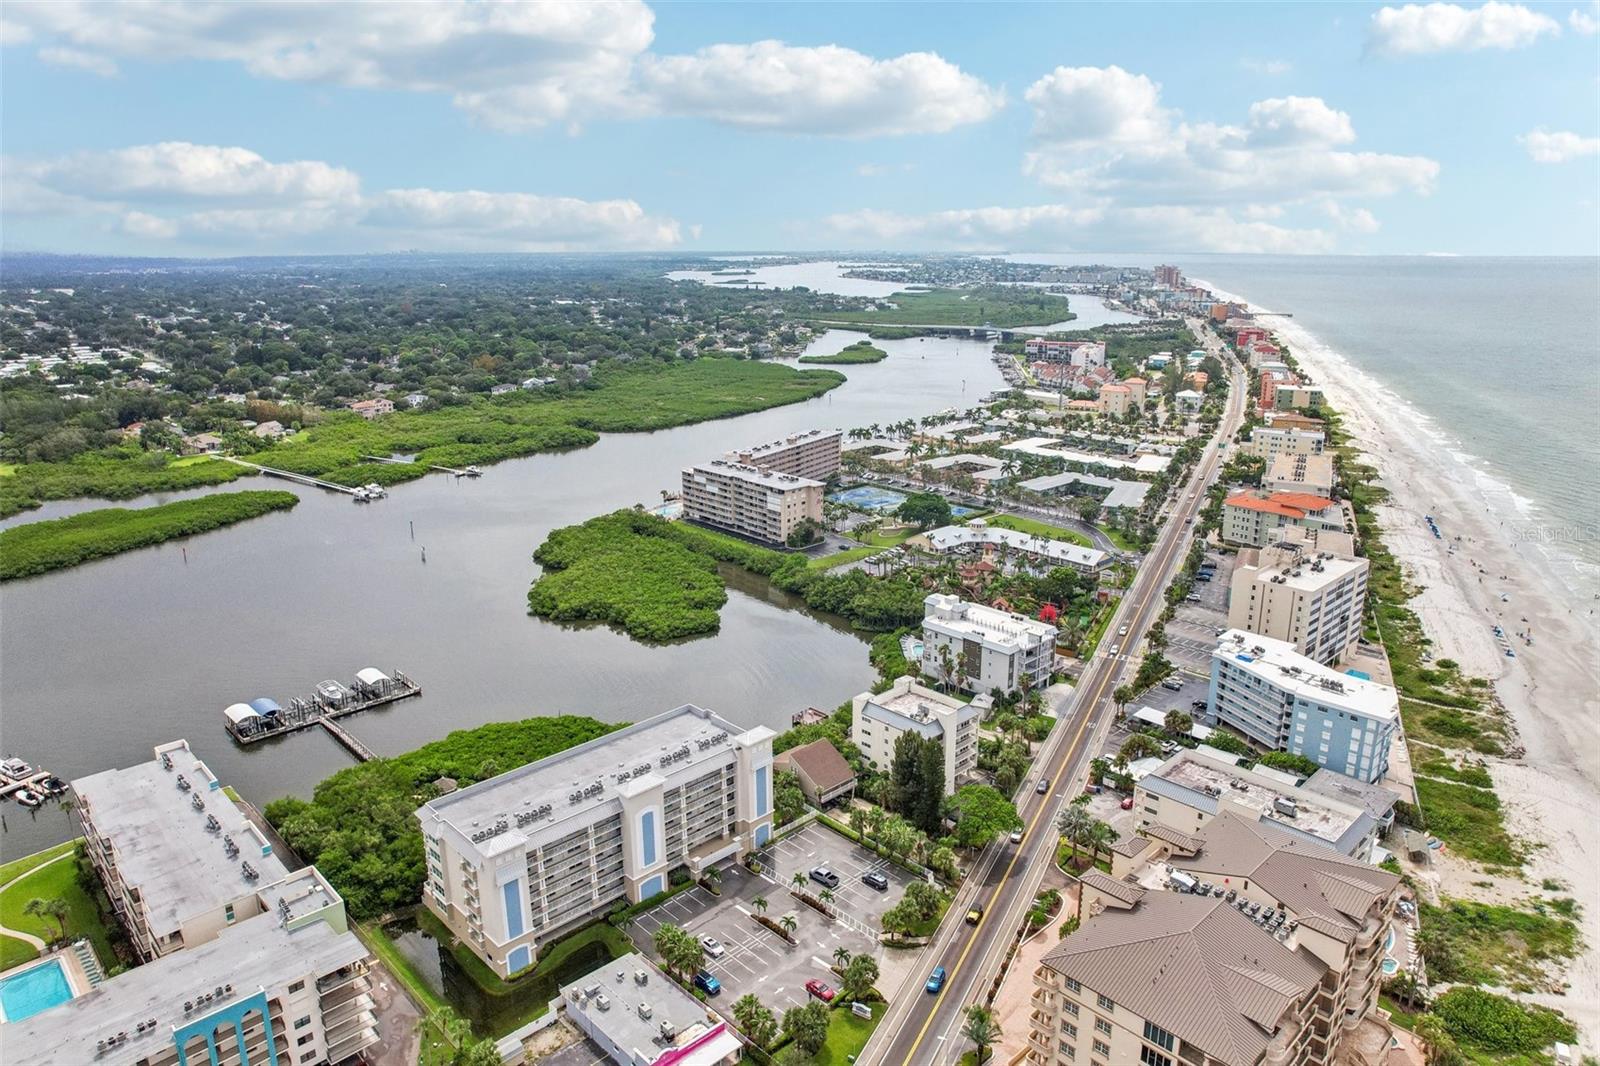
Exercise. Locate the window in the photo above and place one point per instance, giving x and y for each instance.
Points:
(296, 987)
(1068, 1051)
(301, 1023)
(1151, 1057)
(309, 1056)
(228, 912)
(1069, 1007)
(1106, 1001)
(304, 1040)
(1074, 985)
(1068, 1029)
(1102, 1026)
(1102, 1048)
(1159, 1036)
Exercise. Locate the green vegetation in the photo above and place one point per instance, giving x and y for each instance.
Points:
(862, 351)
(1289, 762)
(1483, 1021)
(847, 1035)
(114, 474)
(1469, 820)
(1493, 944)
(1039, 529)
(994, 305)
(359, 827)
(849, 555)
(671, 588)
(1448, 727)
(39, 547)
(924, 510)
(981, 813)
(68, 905)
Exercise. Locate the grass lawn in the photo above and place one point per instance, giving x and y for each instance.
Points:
(436, 1049)
(889, 540)
(847, 1035)
(849, 555)
(1485, 943)
(57, 880)
(1116, 537)
(1040, 529)
(17, 867)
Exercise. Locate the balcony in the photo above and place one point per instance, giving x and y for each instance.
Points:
(342, 976)
(357, 1040)
(342, 1015)
(339, 995)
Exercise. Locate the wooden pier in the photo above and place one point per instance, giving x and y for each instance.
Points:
(430, 466)
(331, 701)
(290, 475)
(11, 787)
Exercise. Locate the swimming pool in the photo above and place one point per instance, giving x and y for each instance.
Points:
(38, 988)
(874, 498)
(1390, 966)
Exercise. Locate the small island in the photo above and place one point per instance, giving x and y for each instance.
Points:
(862, 351)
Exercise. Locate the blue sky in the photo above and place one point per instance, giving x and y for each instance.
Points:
(209, 129)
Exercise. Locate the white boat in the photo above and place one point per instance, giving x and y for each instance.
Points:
(15, 769)
(360, 496)
(375, 491)
(28, 798)
(473, 471)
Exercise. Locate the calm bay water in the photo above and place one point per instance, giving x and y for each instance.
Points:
(101, 662)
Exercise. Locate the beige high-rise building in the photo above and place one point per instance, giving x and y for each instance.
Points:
(814, 454)
(1299, 593)
(1266, 442)
(749, 501)
(1275, 964)
(1299, 473)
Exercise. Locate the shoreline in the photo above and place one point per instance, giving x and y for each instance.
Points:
(1551, 689)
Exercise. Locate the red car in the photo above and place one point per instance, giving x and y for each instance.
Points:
(820, 989)
(1127, 804)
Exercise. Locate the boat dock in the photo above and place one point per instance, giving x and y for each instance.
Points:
(290, 475)
(263, 718)
(470, 471)
(19, 784)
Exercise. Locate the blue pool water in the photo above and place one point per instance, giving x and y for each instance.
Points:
(22, 995)
(1390, 966)
(873, 498)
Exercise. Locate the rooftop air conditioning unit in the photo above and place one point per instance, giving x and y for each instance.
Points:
(646, 1010)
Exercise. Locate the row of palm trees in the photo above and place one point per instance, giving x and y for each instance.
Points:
(787, 923)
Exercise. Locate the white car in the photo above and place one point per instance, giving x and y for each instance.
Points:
(1016, 836)
(1122, 631)
(713, 946)
(1115, 648)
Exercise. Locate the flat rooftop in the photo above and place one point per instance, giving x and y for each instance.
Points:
(793, 440)
(257, 953)
(1121, 494)
(1311, 571)
(163, 844)
(753, 474)
(987, 623)
(948, 538)
(580, 779)
(908, 704)
(1316, 814)
(1277, 661)
(631, 1012)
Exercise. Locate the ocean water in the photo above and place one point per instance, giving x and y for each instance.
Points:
(1499, 358)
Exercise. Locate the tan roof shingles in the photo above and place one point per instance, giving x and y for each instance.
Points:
(1130, 846)
(1318, 887)
(1194, 966)
(1126, 891)
(822, 763)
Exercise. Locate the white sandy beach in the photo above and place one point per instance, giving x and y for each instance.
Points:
(1552, 689)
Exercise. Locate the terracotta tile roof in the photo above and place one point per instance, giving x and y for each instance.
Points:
(1195, 967)
(1288, 504)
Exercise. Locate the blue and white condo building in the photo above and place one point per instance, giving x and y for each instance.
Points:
(1284, 701)
(517, 860)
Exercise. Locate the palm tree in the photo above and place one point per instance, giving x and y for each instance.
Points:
(760, 904)
(1074, 824)
(788, 923)
(47, 910)
(841, 957)
(798, 881)
(981, 1028)
(858, 821)
(826, 896)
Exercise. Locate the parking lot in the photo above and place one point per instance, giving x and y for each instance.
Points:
(1192, 633)
(755, 959)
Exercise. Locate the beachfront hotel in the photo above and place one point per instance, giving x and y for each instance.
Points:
(519, 859)
(179, 860)
(1299, 473)
(1280, 968)
(1256, 519)
(1283, 701)
(879, 720)
(1267, 442)
(759, 504)
(1298, 591)
(813, 454)
(288, 985)
(988, 648)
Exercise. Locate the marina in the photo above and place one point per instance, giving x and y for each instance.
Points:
(31, 787)
(263, 718)
(469, 471)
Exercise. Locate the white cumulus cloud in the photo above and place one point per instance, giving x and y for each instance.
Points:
(1586, 23)
(1298, 120)
(57, 56)
(524, 64)
(1558, 146)
(1423, 29)
(1098, 105)
(233, 198)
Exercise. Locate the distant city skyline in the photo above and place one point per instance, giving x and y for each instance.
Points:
(258, 128)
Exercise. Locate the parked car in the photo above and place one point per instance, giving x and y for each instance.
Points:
(975, 914)
(707, 983)
(935, 979)
(712, 946)
(1172, 684)
(821, 989)
(873, 879)
(1127, 804)
(1198, 705)
(1043, 786)
(824, 876)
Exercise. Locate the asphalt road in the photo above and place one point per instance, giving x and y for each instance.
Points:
(923, 1029)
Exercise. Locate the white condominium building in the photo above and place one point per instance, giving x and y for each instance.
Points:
(1267, 442)
(1312, 599)
(519, 859)
(878, 720)
(1284, 701)
(288, 986)
(747, 500)
(814, 454)
(1299, 473)
(1258, 518)
(987, 648)
(179, 860)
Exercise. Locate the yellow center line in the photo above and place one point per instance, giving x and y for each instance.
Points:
(1094, 701)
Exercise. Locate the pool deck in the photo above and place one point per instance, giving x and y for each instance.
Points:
(77, 980)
